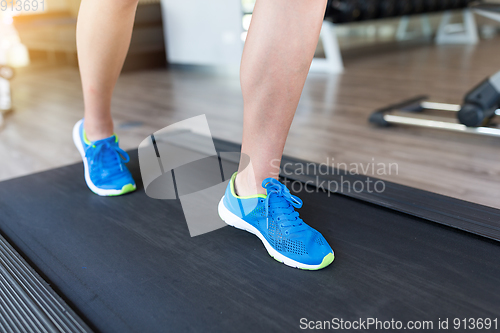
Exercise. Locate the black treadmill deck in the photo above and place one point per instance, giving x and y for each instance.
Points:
(128, 264)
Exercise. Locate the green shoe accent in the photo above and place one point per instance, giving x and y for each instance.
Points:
(233, 192)
(125, 189)
(327, 260)
(88, 142)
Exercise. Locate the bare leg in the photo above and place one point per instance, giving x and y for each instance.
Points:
(278, 52)
(103, 37)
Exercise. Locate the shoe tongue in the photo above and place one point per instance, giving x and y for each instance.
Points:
(110, 140)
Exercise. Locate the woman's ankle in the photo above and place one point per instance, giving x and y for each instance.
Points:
(98, 130)
(246, 186)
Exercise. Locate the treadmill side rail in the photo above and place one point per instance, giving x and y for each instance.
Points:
(384, 118)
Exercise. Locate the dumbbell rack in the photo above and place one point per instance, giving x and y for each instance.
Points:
(385, 117)
(347, 11)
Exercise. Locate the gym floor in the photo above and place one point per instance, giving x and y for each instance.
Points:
(330, 125)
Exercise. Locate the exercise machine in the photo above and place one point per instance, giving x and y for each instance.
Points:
(6, 74)
(475, 115)
(12, 54)
(346, 11)
(129, 264)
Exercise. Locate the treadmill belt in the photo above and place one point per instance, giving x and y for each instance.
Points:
(128, 264)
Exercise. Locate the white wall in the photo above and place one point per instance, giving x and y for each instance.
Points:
(203, 32)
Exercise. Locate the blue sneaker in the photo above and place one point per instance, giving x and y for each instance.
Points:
(273, 219)
(104, 164)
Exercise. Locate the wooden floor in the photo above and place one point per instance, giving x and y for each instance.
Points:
(330, 124)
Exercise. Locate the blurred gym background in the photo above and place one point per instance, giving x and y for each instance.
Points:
(183, 62)
(49, 32)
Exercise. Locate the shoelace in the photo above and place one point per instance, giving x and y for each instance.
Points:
(285, 207)
(95, 152)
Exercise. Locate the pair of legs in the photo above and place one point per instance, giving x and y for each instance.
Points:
(278, 52)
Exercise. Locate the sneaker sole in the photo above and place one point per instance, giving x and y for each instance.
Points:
(234, 221)
(102, 192)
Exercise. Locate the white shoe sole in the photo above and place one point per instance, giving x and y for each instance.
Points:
(92, 187)
(239, 223)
